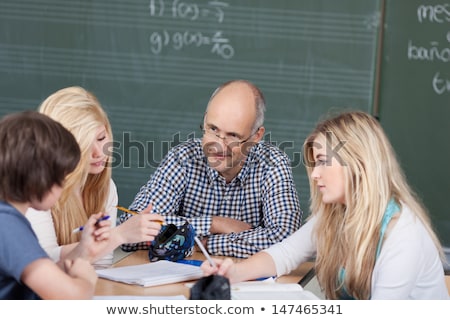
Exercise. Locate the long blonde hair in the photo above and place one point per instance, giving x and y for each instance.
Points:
(83, 194)
(347, 235)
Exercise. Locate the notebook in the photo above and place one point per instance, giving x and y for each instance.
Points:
(152, 274)
(270, 290)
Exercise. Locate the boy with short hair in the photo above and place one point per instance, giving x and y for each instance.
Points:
(36, 154)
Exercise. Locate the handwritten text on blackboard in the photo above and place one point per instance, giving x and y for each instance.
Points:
(179, 40)
(436, 51)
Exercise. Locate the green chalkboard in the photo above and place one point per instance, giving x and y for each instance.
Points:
(415, 98)
(154, 63)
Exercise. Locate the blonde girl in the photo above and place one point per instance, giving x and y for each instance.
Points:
(89, 188)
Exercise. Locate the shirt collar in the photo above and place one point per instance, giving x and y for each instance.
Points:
(243, 173)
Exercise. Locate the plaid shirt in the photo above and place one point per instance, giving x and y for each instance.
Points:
(263, 195)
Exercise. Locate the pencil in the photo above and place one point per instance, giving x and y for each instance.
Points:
(126, 210)
(206, 254)
(134, 212)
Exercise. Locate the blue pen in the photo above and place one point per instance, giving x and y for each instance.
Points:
(79, 229)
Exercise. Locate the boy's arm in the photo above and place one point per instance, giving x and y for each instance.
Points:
(48, 281)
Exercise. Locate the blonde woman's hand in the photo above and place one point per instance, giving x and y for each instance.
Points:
(224, 267)
(144, 226)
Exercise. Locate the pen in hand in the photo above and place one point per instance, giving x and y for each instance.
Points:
(133, 212)
(200, 245)
(127, 210)
(79, 229)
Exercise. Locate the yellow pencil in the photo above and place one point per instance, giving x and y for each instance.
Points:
(126, 210)
(134, 212)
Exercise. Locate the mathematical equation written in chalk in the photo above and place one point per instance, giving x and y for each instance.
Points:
(178, 40)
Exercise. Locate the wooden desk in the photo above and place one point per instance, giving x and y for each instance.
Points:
(112, 288)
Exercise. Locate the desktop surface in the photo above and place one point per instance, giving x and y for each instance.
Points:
(113, 288)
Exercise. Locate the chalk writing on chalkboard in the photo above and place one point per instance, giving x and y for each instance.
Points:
(179, 40)
(436, 51)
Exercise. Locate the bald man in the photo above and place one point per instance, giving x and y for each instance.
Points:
(235, 189)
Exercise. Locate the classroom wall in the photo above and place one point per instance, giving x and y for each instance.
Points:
(153, 65)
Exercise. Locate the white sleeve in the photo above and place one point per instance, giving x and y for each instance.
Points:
(111, 203)
(42, 224)
(409, 266)
(299, 247)
(111, 210)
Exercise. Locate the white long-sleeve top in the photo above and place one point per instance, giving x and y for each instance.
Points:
(43, 226)
(408, 267)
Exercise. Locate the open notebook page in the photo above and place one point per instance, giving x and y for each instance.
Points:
(152, 274)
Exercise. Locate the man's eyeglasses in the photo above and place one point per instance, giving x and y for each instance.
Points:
(228, 139)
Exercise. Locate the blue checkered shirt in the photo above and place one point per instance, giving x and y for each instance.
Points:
(263, 195)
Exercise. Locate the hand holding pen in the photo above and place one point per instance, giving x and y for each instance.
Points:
(95, 237)
(141, 226)
(223, 267)
(79, 229)
(149, 208)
